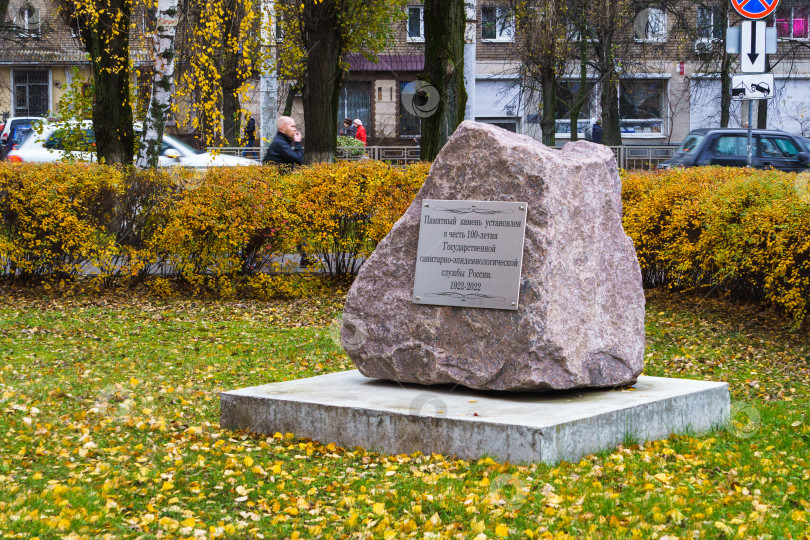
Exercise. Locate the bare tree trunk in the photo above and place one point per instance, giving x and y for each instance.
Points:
(162, 85)
(231, 116)
(444, 70)
(762, 104)
(323, 81)
(582, 95)
(548, 122)
(611, 119)
(725, 90)
(290, 99)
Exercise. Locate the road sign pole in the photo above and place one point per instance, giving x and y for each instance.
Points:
(750, 129)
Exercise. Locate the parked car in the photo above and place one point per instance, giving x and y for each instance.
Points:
(10, 126)
(49, 146)
(729, 147)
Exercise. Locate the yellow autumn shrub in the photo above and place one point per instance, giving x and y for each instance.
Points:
(59, 218)
(226, 230)
(235, 221)
(740, 231)
(52, 217)
(346, 208)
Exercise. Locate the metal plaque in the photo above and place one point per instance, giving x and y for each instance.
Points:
(470, 254)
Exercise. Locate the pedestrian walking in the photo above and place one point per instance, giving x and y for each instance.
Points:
(348, 128)
(597, 131)
(361, 131)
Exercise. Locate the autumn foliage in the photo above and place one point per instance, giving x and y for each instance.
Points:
(741, 232)
(227, 231)
(236, 231)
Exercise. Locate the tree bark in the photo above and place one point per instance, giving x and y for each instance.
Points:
(762, 104)
(104, 31)
(582, 95)
(548, 123)
(289, 101)
(162, 85)
(725, 90)
(323, 80)
(231, 116)
(231, 78)
(444, 71)
(611, 119)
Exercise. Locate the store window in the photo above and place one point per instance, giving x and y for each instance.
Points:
(792, 22)
(567, 94)
(642, 105)
(650, 24)
(497, 24)
(30, 92)
(416, 23)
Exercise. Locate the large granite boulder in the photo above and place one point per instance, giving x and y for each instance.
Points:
(580, 320)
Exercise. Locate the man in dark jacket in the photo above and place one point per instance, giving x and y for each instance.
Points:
(286, 148)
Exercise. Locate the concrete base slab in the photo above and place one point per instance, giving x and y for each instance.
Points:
(351, 410)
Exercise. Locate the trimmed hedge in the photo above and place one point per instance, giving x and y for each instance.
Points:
(743, 232)
(229, 225)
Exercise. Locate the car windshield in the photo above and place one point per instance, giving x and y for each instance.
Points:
(180, 145)
(692, 141)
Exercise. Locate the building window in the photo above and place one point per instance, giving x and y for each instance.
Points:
(28, 22)
(416, 23)
(642, 105)
(497, 24)
(30, 92)
(567, 93)
(410, 125)
(792, 22)
(709, 24)
(651, 24)
(355, 102)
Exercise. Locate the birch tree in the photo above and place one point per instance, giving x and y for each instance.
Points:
(162, 85)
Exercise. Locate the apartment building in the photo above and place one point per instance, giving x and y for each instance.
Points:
(669, 84)
(38, 54)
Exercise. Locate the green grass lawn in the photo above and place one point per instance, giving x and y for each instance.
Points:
(110, 412)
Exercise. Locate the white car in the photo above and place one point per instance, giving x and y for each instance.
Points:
(47, 146)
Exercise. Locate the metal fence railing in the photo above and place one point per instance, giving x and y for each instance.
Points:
(627, 157)
(642, 157)
(396, 155)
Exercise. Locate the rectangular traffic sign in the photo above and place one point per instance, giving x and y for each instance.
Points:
(753, 46)
(759, 86)
(733, 40)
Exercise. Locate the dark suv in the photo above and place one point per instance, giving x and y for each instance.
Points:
(729, 147)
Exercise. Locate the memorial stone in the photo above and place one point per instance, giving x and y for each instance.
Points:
(578, 318)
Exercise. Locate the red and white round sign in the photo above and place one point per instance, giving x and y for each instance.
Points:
(755, 9)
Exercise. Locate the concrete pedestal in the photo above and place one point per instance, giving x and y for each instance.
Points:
(351, 410)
